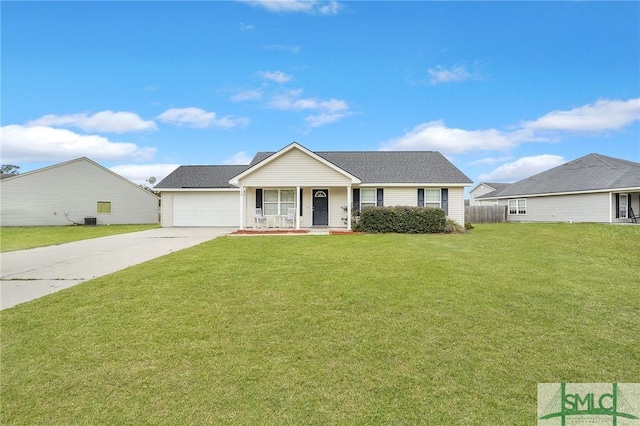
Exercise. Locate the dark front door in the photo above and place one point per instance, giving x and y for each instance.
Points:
(320, 207)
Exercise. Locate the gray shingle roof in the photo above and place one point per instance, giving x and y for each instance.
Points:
(201, 177)
(368, 166)
(589, 173)
(391, 166)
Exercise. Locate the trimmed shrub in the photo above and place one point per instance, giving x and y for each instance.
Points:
(453, 227)
(402, 220)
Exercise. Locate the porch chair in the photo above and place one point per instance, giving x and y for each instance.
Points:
(633, 216)
(290, 218)
(259, 220)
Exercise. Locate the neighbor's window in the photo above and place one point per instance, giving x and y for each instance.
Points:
(432, 197)
(104, 206)
(367, 197)
(277, 201)
(517, 207)
(622, 206)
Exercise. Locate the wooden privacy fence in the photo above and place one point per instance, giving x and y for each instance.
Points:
(485, 214)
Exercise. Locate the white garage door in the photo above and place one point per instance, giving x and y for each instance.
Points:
(210, 209)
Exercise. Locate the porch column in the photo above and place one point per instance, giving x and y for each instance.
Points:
(298, 207)
(349, 205)
(242, 206)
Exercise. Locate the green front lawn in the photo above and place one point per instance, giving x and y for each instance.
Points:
(26, 237)
(350, 329)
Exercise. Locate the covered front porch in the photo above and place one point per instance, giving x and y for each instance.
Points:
(300, 207)
(625, 207)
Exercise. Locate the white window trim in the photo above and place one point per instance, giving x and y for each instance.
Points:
(426, 203)
(368, 203)
(280, 202)
(623, 209)
(517, 206)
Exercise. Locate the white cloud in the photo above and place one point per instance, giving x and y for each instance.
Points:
(282, 47)
(600, 116)
(488, 160)
(104, 121)
(522, 168)
(199, 118)
(436, 136)
(246, 95)
(239, 158)
(277, 76)
(291, 101)
(41, 143)
(305, 6)
(325, 110)
(140, 173)
(452, 75)
(594, 118)
(246, 27)
(325, 118)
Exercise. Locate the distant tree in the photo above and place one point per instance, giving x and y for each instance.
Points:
(153, 191)
(10, 169)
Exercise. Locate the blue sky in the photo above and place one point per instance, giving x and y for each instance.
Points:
(503, 89)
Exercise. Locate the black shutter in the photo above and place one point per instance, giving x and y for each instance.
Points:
(380, 200)
(617, 206)
(420, 197)
(356, 199)
(300, 201)
(258, 198)
(629, 209)
(444, 197)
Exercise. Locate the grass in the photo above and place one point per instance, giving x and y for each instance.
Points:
(21, 237)
(351, 329)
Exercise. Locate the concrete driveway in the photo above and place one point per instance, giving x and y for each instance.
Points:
(30, 274)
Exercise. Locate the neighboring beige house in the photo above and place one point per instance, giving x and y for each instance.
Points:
(484, 188)
(593, 188)
(77, 191)
(320, 189)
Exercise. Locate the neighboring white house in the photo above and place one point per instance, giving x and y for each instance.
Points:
(593, 188)
(323, 188)
(484, 188)
(69, 192)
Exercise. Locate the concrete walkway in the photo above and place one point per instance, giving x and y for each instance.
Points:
(30, 274)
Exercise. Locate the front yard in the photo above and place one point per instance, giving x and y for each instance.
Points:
(341, 329)
(27, 237)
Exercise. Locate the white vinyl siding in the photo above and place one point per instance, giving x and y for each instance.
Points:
(337, 199)
(456, 205)
(295, 168)
(41, 197)
(565, 208)
(399, 196)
